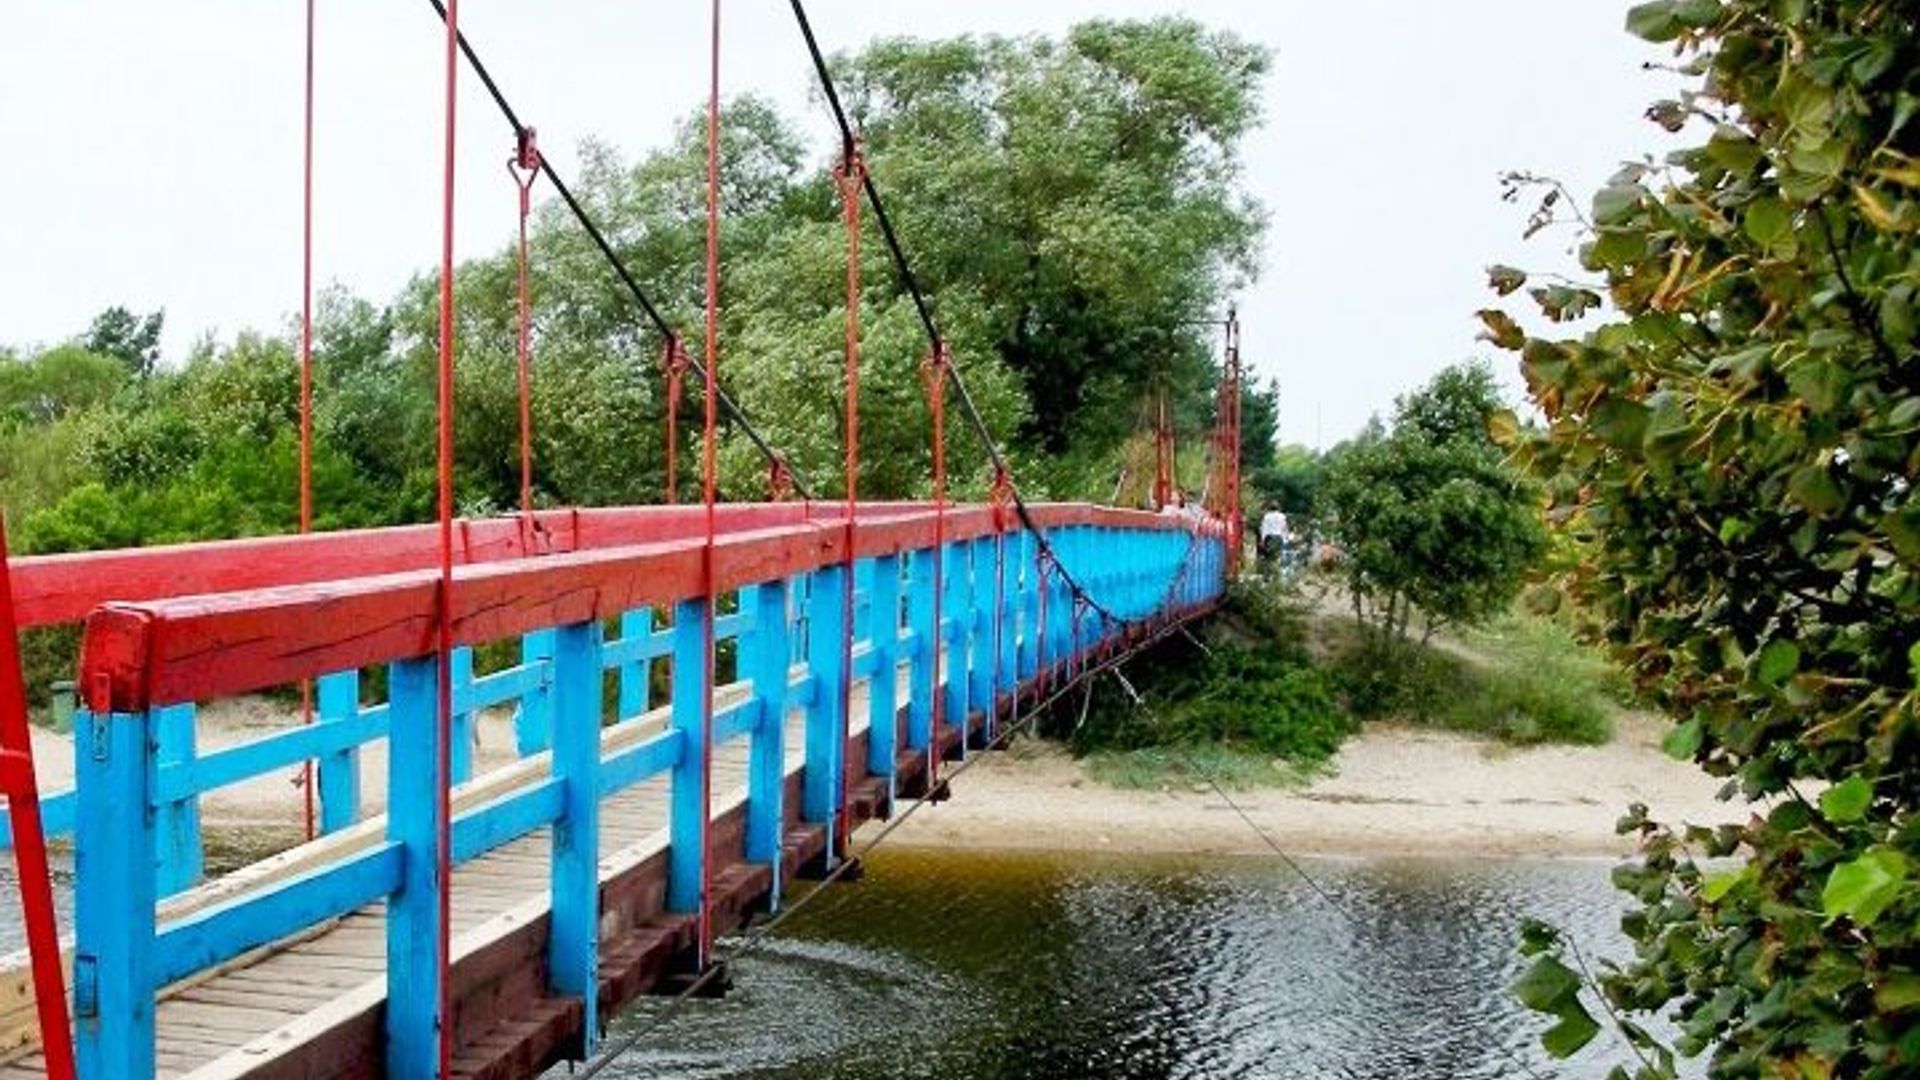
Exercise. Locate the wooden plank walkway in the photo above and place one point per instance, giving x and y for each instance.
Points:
(258, 1011)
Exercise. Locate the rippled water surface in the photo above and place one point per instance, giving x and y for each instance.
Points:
(964, 965)
(967, 965)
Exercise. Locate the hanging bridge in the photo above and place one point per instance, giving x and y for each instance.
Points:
(631, 832)
(706, 702)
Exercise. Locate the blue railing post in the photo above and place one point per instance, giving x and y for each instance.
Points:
(826, 720)
(957, 612)
(462, 718)
(1008, 639)
(635, 675)
(1030, 630)
(926, 639)
(180, 857)
(533, 721)
(980, 621)
(883, 693)
(339, 772)
(764, 658)
(413, 911)
(573, 954)
(686, 824)
(113, 965)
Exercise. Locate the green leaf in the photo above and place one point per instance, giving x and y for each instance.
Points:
(1848, 800)
(1683, 741)
(1897, 992)
(1547, 986)
(1913, 663)
(1863, 888)
(1575, 1030)
(1537, 936)
(1769, 223)
(1813, 487)
(1656, 21)
(1505, 279)
(1717, 886)
(1778, 661)
(1621, 422)
(1616, 202)
(1501, 330)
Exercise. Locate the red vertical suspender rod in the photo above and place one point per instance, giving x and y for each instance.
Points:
(849, 181)
(443, 640)
(709, 465)
(29, 843)
(306, 381)
(524, 166)
(934, 372)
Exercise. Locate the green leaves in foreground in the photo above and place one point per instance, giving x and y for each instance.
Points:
(1551, 987)
(1862, 889)
(1728, 456)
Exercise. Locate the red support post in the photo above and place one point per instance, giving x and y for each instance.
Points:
(849, 180)
(29, 843)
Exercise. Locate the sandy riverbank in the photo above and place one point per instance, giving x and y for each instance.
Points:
(1394, 791)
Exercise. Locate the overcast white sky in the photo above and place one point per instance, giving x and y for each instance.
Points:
(153, 150)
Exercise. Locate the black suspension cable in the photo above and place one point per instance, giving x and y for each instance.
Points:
(850, 139)
(734, 413)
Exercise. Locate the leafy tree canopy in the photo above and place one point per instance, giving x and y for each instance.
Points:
(1427, 514)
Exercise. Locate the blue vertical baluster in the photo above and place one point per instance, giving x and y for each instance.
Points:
(764, 659)
(957, 611)
(635, 675)
(826, 721)
(686, 822)
(113, 965)
(413, 911)
(339, 772)
(925, 641)
(980, 623)
(463, 728)
(1030, 630)
(883, 694)
(573, 946)
(533, 720)
(179, 857)
(1008, 691)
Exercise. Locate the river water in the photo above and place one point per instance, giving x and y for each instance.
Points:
(956, 965)
(960, 965)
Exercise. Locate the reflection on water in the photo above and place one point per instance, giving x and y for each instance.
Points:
(962, 965)
(954, 965)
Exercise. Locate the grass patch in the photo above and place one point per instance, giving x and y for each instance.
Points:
(1522, 680)
(1161, 768)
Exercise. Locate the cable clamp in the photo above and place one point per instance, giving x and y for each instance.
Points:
(779, 480)
(524, 165)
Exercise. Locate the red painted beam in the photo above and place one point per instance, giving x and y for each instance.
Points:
(207, 645)
(54, 589)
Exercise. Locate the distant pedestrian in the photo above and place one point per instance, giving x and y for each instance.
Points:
(1273, 535)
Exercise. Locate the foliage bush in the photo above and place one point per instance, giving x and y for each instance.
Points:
(1735, 454)
(1252, 688)
(1530, 685)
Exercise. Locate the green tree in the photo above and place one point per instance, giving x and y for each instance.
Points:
(1734, 453)
(131, 339)
(1429, 517)
(1083, 193)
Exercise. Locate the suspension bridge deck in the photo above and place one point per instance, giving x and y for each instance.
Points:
(849, 658)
